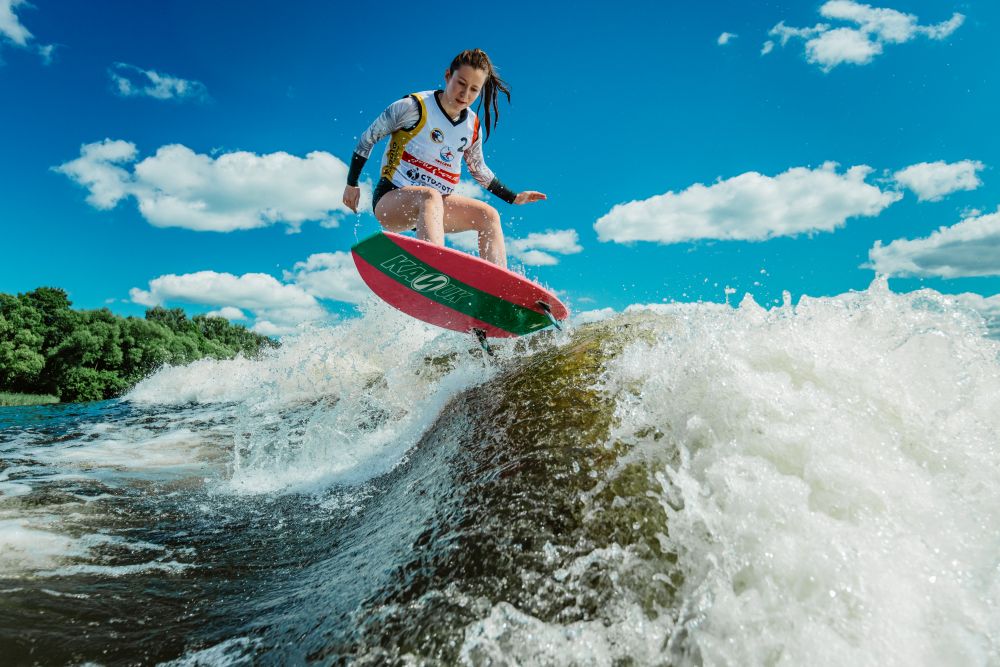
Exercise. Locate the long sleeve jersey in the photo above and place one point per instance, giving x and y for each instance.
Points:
(404, 114)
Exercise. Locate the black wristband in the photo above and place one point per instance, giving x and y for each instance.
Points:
(501, 190)
(357, 164)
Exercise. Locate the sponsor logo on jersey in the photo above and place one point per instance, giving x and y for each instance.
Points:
(444, 174)
(422, 280)
(447, 155)
(418, 177)
(437, 136)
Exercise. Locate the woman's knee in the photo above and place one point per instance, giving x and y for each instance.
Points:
(485, 218)
(492, 219)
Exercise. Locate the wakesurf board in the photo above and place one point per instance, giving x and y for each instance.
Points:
(454, 290)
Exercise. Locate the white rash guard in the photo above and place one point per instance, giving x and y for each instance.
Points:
(424, 137)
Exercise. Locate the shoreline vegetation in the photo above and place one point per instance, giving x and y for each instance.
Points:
(8, 399)
(52, 353)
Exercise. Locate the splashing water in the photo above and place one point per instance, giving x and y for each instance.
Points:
(677, 484)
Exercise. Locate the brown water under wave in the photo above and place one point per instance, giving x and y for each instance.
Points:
(509, 498)
(536, 485)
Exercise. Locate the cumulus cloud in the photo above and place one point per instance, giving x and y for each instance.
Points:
(131, 81)
(98, 170)
(725, 38)
(330, 275)
(12, 31)
(267, 328)
(277, 307)
(785, 33)
(767, 48)
(842, 45)
(969, 248)
(988, 308)
(858, 44)
(536, 249)
(177, 187)
(749, 207)
(10, 26)
(227, 313)
(470, 189)
(931, 181)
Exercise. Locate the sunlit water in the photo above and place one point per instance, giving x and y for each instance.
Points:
(691, 484)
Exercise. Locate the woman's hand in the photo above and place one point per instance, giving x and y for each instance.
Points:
(352, 195)
(528, 196)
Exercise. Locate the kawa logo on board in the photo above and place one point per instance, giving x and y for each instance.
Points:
(424, 281)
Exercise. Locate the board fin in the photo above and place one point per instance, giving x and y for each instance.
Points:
(483, 342)
(548, 313)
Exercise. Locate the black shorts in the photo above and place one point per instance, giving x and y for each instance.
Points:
(384, 185)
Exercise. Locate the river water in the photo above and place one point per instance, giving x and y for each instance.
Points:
(683, 484)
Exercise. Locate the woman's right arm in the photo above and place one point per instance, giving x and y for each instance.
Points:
(404, 113)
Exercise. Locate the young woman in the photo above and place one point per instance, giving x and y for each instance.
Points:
(432, 132)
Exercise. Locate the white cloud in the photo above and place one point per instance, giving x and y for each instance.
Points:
(132, 81)
(97, 170)
(988, 308)
(47, 52)
(227, 313)
(888, 25)
(533, 250)
(767, 48)
(968, 248)
(470, 189)
(787, 32)
(859, 44)
(330, 275)
(177, 187)
(725, 38)
(267, 328)
(273, 304)
(468, 241)
(843, 45)
(749, 207)
(13, 31)
(945, 28)
(590, 316)
(931, 181)
(10, 26)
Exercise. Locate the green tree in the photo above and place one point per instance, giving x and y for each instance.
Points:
(22, 341)
(46, 347)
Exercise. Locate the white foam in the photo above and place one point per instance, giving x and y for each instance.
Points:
(171, 567)
(835, 500)
(177, 449)
(337, 405)
(32, 544)
(43, 545)
(316, 362)
(510, 636)
(235, 651)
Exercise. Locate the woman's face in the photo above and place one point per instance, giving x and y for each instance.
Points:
(463, 85)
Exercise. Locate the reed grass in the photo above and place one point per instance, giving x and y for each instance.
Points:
(9, 399)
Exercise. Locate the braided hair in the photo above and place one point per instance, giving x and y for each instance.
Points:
(477, 59)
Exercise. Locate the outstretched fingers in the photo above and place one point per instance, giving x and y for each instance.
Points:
(529, 196)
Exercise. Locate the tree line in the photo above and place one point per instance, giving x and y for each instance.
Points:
(46, 347)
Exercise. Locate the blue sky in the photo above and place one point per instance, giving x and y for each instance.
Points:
(194, 154)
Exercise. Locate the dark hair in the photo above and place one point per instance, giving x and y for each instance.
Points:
(477, 59)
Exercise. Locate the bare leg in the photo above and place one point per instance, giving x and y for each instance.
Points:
(413, 206)
(464, 213)
(433, 215)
